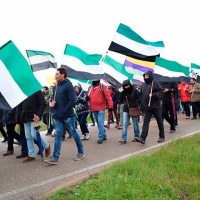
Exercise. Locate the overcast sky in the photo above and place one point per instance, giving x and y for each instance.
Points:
(48, 25)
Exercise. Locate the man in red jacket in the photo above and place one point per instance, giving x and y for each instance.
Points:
(98, 96)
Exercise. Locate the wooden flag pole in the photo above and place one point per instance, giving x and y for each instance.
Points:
(151, 94)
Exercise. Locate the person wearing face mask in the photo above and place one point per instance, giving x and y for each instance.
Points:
(131, 98)
(151, 94)
(98, 96)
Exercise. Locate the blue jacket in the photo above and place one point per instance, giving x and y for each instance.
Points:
(65, 98)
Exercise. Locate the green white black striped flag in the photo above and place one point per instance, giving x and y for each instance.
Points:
(17, 80)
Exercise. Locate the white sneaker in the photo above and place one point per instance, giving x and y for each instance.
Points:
(87, 137)
(83, 137)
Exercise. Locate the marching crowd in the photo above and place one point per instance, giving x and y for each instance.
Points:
(67, 104)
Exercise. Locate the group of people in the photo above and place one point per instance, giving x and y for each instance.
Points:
(67, 104)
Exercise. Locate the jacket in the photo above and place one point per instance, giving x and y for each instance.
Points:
(98, 96)
(184, 92)
(65, 98)
(195, 96)
(34, 104)
(9, 116)
(173, 89)
(132, 95)
(157, 94)
(82, 105)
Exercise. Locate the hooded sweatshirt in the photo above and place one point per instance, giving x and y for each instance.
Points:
(157, 93)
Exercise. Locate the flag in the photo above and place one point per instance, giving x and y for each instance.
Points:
(114, 69)
(17, 80)
(195, 68)
(40, 60)
(43, 65)
(129, 43)
(170, 71)
(81, 65)
(84, 83)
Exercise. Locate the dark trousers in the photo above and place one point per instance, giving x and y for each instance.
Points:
(195, 109)
(147, 118)
(168, 114)
(82, 122)
(47, 121)
(3, 133)
(12, 134)
(92, 117)
(186, 106)
(110, 116)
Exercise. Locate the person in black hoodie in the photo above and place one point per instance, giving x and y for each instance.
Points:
(130, 97)
(151, 94)
(169, 103)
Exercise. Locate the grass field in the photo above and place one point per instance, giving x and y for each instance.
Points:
(172, 172)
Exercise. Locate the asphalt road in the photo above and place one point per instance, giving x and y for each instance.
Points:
(35, 180)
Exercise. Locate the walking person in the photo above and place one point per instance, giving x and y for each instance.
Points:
(151, 94)
(47, 115)
(2, 131)
(10, 122)
(32, 111)
(82, 111)
(170, 90)
(98, 95)
(130, 97)
(183, 89)
(195, 97)
(62, 104)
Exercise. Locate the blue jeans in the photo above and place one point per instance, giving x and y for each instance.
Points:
(99, 117)
(125, 126)
(30, 134)
(70, 124)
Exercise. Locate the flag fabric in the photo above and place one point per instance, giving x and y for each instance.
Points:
(140, 65)
(170, 71)
(84, 83)
(81, 65)
(17, 79)
(43, 65)
(195, 68)
(115, 71)
(129, 43)
(40, 60)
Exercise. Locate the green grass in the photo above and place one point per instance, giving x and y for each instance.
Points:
(172, 172)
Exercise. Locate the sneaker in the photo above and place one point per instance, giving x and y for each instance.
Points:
(51, 161)
(79, 156)
(122, 141)
(119, 127)
(87, 137)
(48, 133)
(17, 143)
(187, 117)
(161, 140)
(172, 131)
(194, 118)
(100, 141)
(5, 140)
(53, 134)
(93, 124)
(139, 139)
(83, 137)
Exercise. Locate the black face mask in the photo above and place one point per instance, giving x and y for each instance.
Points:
(95, 83)
(147, 80)
(127, 89)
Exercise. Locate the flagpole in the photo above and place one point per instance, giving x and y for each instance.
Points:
(151, 94)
